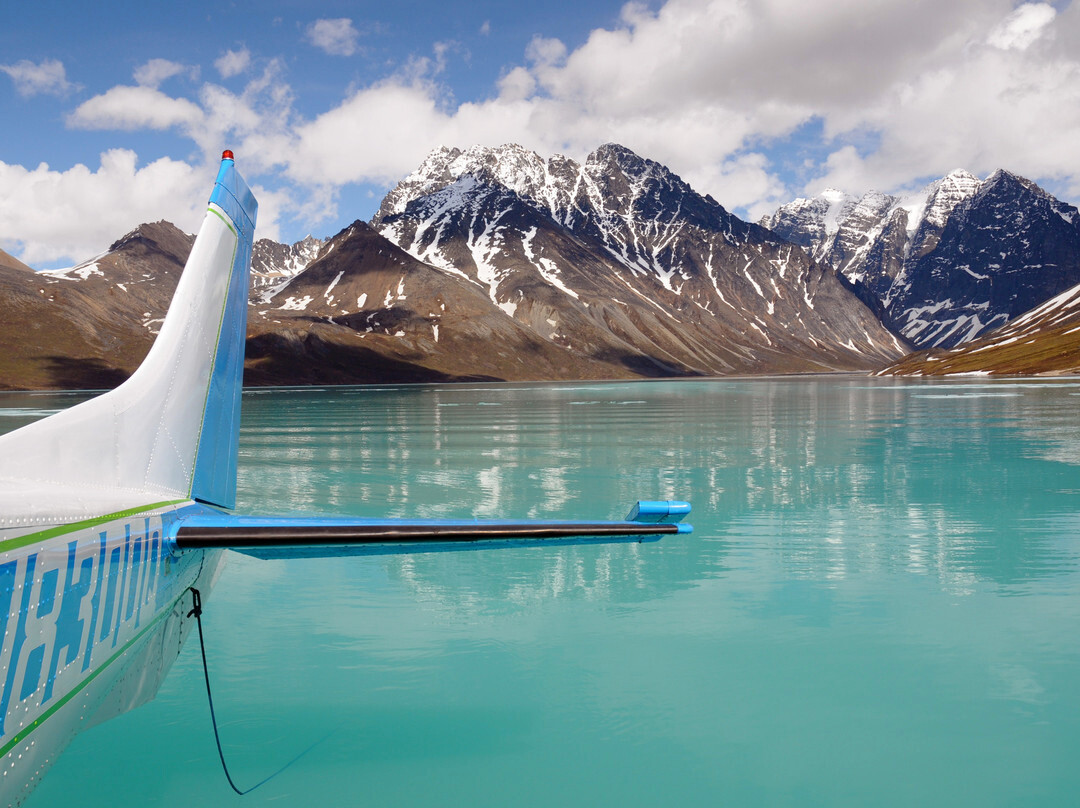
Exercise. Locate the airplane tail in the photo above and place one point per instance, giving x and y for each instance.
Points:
(172, 429)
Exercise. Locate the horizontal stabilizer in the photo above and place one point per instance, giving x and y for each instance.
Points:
(274, 537)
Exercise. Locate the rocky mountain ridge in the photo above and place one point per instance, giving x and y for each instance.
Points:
(497, 263)
(89, 326)
(618, 255)
(274, 264)
(8, 261)
(943, 266)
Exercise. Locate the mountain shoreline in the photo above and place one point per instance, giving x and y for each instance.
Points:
(496, 264)
(839, 374)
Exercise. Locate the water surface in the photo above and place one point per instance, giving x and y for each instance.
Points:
(879, 604)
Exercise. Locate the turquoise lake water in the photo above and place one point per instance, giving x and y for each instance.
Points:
(879, 605)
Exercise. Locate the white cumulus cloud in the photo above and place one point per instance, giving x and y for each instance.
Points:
(338, 37)
(989, 107)
(233, 62)
(711, 86)
(75, 214)
(752, 103)
(155, 71)
(1023, 27)
(135, 108)
(47, 77)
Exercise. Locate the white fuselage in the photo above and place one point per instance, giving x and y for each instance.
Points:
(94, 615)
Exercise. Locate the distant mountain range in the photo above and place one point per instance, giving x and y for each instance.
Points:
(496, 263)
(948, 264)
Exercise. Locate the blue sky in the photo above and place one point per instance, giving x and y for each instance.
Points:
(116, 113)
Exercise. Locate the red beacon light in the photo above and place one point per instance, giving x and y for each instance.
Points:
(227, 154)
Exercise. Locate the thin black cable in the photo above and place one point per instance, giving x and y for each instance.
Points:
(196, 611)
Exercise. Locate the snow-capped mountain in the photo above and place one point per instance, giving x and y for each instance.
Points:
(947, 264)
(618, 257)
(273, 264)
(90, 325)
(482, 264)
(366, 311)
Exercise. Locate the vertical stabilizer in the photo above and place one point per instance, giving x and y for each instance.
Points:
(214, 478)
(171, 430)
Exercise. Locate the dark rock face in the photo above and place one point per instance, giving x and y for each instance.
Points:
(1003, 251)
(1044, 341)
(949, 264)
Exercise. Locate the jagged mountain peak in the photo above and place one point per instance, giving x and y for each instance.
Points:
(274, 264)
(627, 179)
(812, 222)
(943, 195)
(628, 203)
(510, 165)
(611, 177)
(958, 178)
(828, 210)
(872, 203)
(1004, 175)
(838, 227)
(626, 160)
(618, 153)
(151, 232)
(307, 243)
(1004, 188)
(551, 242)
(1006, 182)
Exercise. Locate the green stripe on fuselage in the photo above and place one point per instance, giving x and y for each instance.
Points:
(71, 527)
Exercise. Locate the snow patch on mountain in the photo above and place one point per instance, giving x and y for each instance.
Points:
(547, 268)
(296, 304)
(79, 272)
